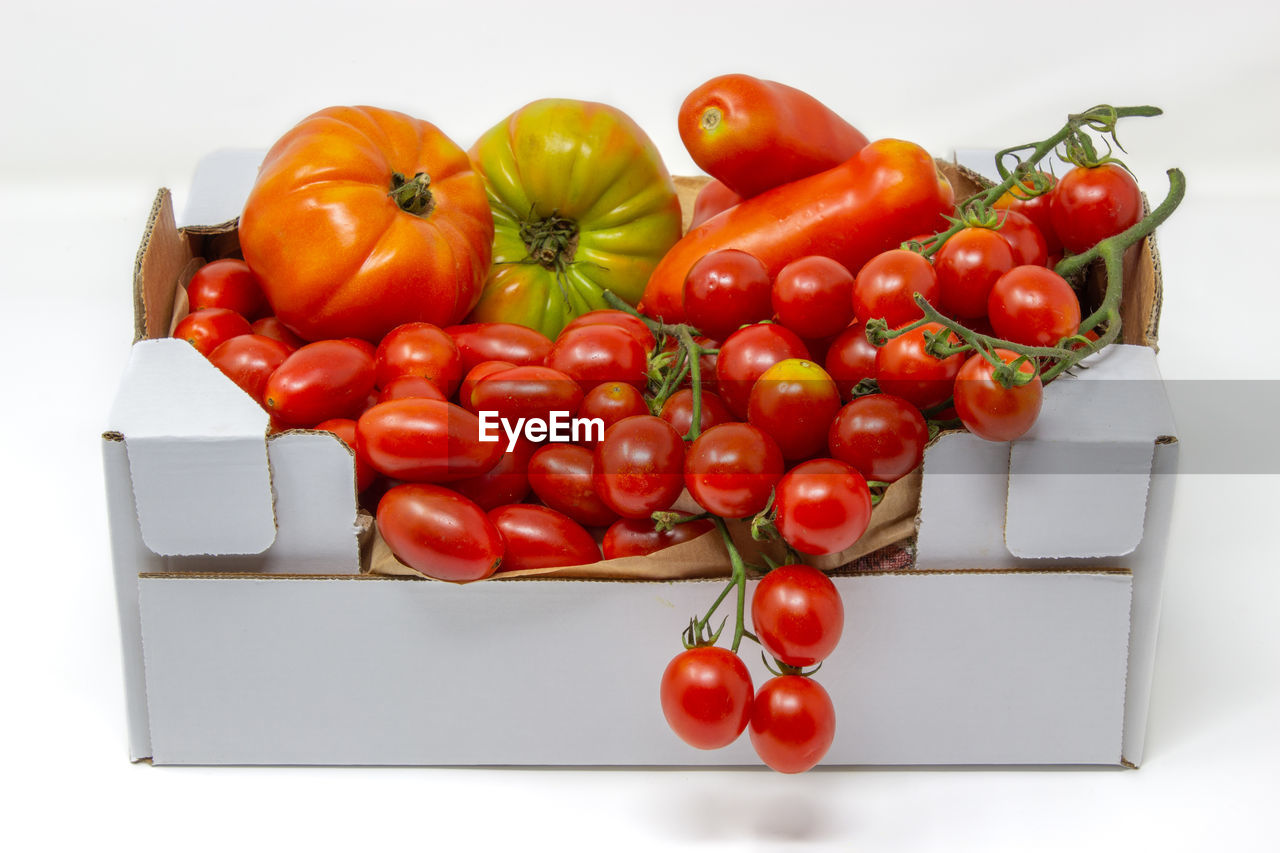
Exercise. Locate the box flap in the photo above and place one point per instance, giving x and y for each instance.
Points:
(217, 501)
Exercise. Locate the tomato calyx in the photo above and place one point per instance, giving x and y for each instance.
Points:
(412, 195)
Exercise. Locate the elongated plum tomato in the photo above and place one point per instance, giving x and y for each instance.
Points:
(812, 296)
(538, 537)
(423, 440)
(638, 537)
(797, 613)
(638, 466)
(793, 723)
(438, 532)
(881, 435)
(322, 380)
(419, 349)
(794, 401)
(748, 353)
(823, 506)
(725, 290)
(706, 696)
(906, 369)
(227, 283)
(1091, 204)
(987, 408)
(208, 328)
(561, 476)
(731, 469)
(249, 361)
(1034, 306)
(517, 344)
(886, 287)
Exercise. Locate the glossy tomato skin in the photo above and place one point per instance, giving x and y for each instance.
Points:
(227, 283)
(1091, 204)
(335, 250)
(748, 353)
(754, 134)
(345, 430)
(793, 723)
(678, 411)
(614, 317)
(988, 409)
(797, 613)
(507, 482)
(1033, 305)
(208, 328)
(731, 469)
(600, 353)
(528, 392)
(638, 466)
(823, 506)
(538, 537)
(850, 359)
(419, 349)
(561, 475)
(905, 368)
(881, 435)
(794, 401)
(322, 380)
(725, 290)
(706, 696)
(639, 537)
(887, 284)
(610, 402)
(249, 361)
(439, 533)
(714, 198)
(812, 296)
(1024, 237)
(511, 342)
(423, 440)
(967, 266)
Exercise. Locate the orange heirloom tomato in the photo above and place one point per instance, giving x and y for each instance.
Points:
(362, 219)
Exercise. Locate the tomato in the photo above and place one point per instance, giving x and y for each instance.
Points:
(748, 353)
(812, 296)
(850, 359)
(1022, 235)
(439, 532)
(581, 202)
(517, 344)
(794, 401)
(595, 354)
(271, 327)
(614, 317)
(410, 386)
(731, 469)
(561, 475)
(322, 380)
(793, 723)
(345, 430)
(362, 219)
(887, 192)
(638, 537)
(610, 402)
(725, 290)
(425, 441)
(886, 287)
(538, 537)
(881, 435)
(1034, 306)
(526, 393)
(248, 361)
(755, 134)
(967, 265)
(706, 696)
(678, 411)
(987, 408)
(504, 483)
(205, 329)
(823, 506)
(1091, 204)
(905, 369)
(712, 199)
(638, 467)
(797, 614)
(481, 371)
(1034, 208)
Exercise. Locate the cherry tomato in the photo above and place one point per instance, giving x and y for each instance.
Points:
(439, 532)
(731, 469)
(420, 349)
(987, 408)
(479, 342)
(905, 369)
(1034, 306)
(504, 483)
(638, 537)
(881, 435)
(706, 696)
(850, 359)
(1091, 204)
(793, 723)
(270, 327)
(967, 265)
(714, 198)
(1022, 235)
(205, 329)
(797, 614)
(812, 296)
(794, 401)
(678, 411)
(228, 283)
(425, 441)
(248, 361)
(322, 380)
(1036, 208)
(538, 537)
(561, 476)
(725, 290)
(345, 430)
(613, 317)
(638, 466)
(410, 386)
(823, 506)
(610, 402)
(528, 392)
(748, 353)
(887, 284)
(600, 353)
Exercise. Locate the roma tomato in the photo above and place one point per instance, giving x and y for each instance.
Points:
(850, 359)
(425, 440)
(987, 408)
(706, 696)
(639, 537)
(1091, 204)
(208, 328)
(731, 469)
(504, 483)
(881, 435)
(322, 380)
(610, 402)
(967, 265)
(797, 613)
(527, 393)
(794, 401)
(419, 349)
(581, 204)
(714, 198)
(227, 283)
(638, 466)
(793, 723)
(345, 430)
(906, 369)
(823, 506)
(439, 533)
(886, 287)
(748, 353)
(249, 361)
(517, 344)
(1022, 235)
(725, 290)
(614, 317)
(538, 537)
(678, 411)
(561, 476)
(362, 219)
(1033, 305)
(812, 297)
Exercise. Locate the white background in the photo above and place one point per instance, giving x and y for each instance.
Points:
(103, 103)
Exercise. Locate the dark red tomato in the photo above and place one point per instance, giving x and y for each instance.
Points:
(987, 408)
(886, 287)
(748, 353)
(205, 329)
(967, 265)
(905, 369)
(538, 537)
(345, 430)
(731, 469)
(561, 476)
(410, 386)
(529, 393)
(613, 317)
(423, 440)
(850, 359)
(797, 613)
(230, 284)
(794, 401)
(270, 327)
(823, 506)
(517, 344)
(248, 361)
(1091, 204)
(639, 537)
(638, 466)
(706, 696)
(714, 198)
(322, 380)
(420, 349)
(1033, 306)
(793, 723)
(600, 353)
(678, 411)
(439, 533)
(1022, 235)
(504, 483)
(725, 290)
(812, 296)
(481, 371)
(1036, 209)
(881, 435)
(610, 402)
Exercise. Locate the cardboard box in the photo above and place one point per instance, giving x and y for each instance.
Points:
(1023, 632)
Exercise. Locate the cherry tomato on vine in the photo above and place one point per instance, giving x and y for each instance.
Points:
(561, 476)
(746, 354)
(638, 537)
(794, 401)
(887, 284)
(881, 435)
(797, 614)
(322, 380)
(419, 349)
(439, 532)
(1022, 235)
(706, 696)
(850, 359)
(638, 466)
(538, 537)
(725, 290)
(813, 296)
(228, 283)
(731, 469)
(1033, 306)
(1091, 204)
(823, 506)
(678, 411)
(600, 353)
(987, 408)
(249, 361)
(206, 329)
(793, 723)
(967, 265)
(906, 369)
